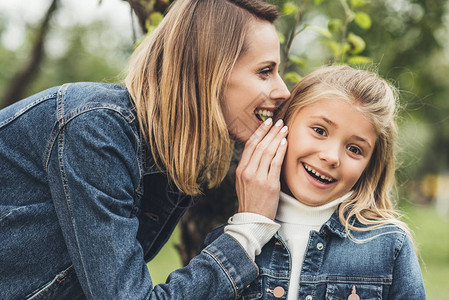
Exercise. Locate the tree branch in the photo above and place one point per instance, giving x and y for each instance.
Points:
(144, 8)
(292, 36)
(25, 75)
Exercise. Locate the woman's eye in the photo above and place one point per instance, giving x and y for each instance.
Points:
(355, 150)
(266, 72)
(319, 130)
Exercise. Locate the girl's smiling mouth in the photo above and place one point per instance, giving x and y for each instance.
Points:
(317, 176)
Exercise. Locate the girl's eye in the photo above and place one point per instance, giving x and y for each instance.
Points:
(355, 150)
(320, 131)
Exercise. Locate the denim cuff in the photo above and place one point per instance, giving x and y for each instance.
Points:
(234, 261)
(252, 231)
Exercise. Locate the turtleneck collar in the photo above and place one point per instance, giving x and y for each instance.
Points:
(292, 211)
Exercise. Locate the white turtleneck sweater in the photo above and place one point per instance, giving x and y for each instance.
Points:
(294, 221)
(297, 220)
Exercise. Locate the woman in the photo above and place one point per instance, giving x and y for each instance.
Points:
(94, 177)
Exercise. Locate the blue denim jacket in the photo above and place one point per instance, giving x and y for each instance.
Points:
(385, 267)
(83, 207)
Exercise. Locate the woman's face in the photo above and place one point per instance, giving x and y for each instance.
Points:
(330, 143)
(254, 87)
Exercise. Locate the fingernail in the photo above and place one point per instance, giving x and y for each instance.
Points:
(283, 141)
(278, 123)
(268, 121)
(284, 129)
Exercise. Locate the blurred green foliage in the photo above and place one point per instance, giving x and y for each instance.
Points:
(406, 42)
(91, 52)
(431, 230)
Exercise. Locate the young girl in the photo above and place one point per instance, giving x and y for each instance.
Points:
(94, 177)
(339, 235)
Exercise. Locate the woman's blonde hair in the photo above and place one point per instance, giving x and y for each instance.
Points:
(176, 80)
(370, 201)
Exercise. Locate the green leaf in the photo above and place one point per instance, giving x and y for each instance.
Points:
(297, 60)
(335, 47)
(281, 37)
(363, 20)
(359, 60)
(359, 3)
(334, 25)
(357, 44)
(318, 2)
(293, 77)
(322, 31)
(290, 8)
(346, 47)
(155, 18)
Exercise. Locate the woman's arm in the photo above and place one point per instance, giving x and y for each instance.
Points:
(93, 175)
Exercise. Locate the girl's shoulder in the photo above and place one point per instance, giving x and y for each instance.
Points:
(391, 235)
(384, 236)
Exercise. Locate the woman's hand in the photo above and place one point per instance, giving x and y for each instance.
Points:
(258, 172)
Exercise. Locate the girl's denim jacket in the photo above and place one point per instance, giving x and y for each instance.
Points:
(384, 266)
(83, 207)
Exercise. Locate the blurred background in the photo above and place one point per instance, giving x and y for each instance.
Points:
(44, 43)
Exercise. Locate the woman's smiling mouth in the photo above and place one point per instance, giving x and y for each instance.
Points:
(263, 113)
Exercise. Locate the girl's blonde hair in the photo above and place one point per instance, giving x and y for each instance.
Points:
(370, 201)
(176, 80)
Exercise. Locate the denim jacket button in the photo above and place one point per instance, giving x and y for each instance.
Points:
(278, 291)
(320, 246)
(309, 297)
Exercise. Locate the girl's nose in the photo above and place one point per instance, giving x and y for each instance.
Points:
(331, 156)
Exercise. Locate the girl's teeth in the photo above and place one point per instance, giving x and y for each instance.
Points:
(318, 174)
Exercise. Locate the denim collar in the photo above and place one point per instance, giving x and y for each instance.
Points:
(334, 225)
(149, 164)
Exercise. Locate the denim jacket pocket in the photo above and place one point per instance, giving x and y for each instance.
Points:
(341, 291)
(254, 290)
(64, 285)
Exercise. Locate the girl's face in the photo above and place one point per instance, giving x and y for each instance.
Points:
(254, 86)
(330, 143)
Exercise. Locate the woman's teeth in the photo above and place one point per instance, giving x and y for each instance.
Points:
(317, 175)
(263, 114)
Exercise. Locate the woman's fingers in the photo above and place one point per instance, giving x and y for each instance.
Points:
(271, 151)
(253, 141)
(258, 173)
(264, 146)
(276, 163)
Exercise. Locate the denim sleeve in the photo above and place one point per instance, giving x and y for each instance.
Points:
(93, 174)
(407, 277)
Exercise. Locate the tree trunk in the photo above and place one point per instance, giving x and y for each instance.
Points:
(26, 75)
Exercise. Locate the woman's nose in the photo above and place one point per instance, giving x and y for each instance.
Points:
(280, 91)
